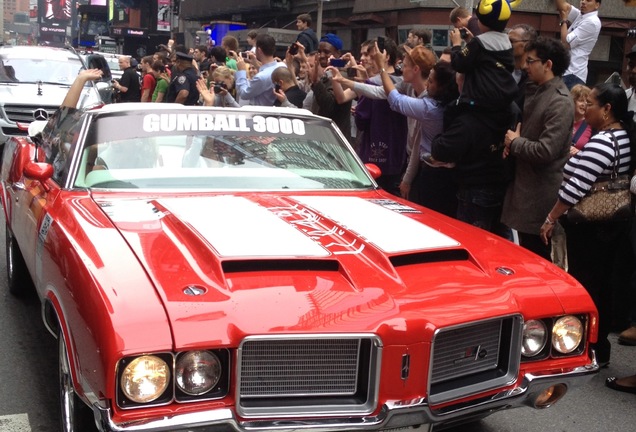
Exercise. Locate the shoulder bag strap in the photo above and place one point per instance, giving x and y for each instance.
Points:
(616, 156)
(579, 132)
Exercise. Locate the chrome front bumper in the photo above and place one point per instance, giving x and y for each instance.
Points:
(397, 414)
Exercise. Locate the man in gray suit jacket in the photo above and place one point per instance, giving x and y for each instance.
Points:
(540, 145)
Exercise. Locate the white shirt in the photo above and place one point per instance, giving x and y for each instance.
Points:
(582, 36)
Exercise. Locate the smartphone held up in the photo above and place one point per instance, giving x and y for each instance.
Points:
(380, 42)
(338, 63)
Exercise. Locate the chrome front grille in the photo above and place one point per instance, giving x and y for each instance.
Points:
(465, 351)
(293, 375)
(475, 357)
(293, 368)
(24, 113)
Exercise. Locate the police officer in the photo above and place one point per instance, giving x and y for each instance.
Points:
(183, 88)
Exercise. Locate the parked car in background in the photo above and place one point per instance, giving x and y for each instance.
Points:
(215, 269)
(33, 82)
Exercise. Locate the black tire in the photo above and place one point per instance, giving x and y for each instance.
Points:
(75, 415)
(18, 279)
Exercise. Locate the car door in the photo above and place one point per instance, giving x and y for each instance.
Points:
(33, 198)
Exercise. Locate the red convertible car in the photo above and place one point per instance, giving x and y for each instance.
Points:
(239, 270)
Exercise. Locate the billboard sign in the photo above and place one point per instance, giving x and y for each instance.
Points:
(163, 15)
(54, 15)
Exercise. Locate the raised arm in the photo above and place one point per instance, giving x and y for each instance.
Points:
(75, 91)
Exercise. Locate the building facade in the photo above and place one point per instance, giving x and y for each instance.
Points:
(10, 7)
(358, 20)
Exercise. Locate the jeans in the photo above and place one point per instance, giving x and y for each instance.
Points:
(571, 80)
(481, 206)
(437, 189)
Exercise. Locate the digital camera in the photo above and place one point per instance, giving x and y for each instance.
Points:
(219, 87)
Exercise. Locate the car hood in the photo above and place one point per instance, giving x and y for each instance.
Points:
(233, 265)
(50, 94)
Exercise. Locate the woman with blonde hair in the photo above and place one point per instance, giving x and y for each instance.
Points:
(222, 86)
(581, 131)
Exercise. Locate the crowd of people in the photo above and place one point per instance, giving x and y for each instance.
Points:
(499, 131)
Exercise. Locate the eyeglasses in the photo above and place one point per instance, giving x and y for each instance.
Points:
(518, 40)
(529, 60)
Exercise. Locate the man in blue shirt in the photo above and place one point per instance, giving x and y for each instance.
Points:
(260, 89)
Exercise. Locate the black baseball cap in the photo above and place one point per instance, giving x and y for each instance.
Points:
(184, 56)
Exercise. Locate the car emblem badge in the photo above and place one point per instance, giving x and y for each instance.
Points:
(505, 271)
(192, 290)
(406, 366)
(472, 354)
(40, 114)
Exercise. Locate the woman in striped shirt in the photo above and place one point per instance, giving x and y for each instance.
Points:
(599, 253)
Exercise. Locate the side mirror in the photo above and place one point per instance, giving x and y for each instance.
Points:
(38, 171)
(374, 170)
(97, 61)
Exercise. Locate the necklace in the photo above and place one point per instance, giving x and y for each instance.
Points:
(608, 125)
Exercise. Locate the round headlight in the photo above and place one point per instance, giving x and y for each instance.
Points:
(145, 379)
(567, 334)
(197, 372)
(535, 336)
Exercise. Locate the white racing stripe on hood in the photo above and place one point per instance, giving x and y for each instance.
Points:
(237, 227)
(390, 231)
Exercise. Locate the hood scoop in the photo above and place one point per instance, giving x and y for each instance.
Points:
(430, 257)
(260, 265)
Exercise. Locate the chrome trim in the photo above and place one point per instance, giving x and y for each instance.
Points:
(315, 410)
(40, 113)
(512, 359)
(77, 153)
(393, 414)
(27, 113)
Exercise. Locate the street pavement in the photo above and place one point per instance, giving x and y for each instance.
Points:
(28, 383)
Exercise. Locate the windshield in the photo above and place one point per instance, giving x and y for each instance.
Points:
(32, 70)
(113, 63)
(166, 151)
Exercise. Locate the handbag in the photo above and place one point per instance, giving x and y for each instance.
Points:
(608, 200)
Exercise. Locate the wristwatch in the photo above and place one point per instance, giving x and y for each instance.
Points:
(564, 22)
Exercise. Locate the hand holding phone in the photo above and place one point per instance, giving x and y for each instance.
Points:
(380, 42)
(338, 63)
(245, 55)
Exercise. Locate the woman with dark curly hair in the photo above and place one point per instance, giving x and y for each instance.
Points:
(599, 253)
